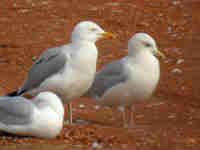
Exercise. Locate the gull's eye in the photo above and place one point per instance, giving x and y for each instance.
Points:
(93, 29)
(147, 44)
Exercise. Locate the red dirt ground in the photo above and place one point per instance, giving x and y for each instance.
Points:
(171, 116)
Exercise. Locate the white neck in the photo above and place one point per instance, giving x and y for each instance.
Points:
(146, 60)
(81, 43)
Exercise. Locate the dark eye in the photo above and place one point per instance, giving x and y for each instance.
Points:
(93, 29)
(147, 44)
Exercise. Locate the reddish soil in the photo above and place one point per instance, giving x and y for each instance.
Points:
(171, 116)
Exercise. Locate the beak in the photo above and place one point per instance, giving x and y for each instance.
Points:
(159, 53)
(108, 35)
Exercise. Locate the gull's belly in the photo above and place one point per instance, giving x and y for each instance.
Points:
(128, 92)
(69, 85)
(77, 84)
(46, 127)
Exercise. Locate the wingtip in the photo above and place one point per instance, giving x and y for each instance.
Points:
(13, 93)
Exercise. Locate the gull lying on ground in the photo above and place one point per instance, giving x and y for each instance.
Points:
(41, 117)
(67, 70)
(130, 79)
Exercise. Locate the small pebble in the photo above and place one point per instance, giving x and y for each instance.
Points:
(176, 3)
(113, 4)
(34, 58)
(81, 106)
(14, 5)
(171, 116)
(182, 88)
(93, 9)
(97, 106)
(121, 108)
(29, 1)
(180, 61)
(176, 70)
(96, 145)
(166, 61)
(24, 10)
(170, 29)
(82, 121)
(44, 2)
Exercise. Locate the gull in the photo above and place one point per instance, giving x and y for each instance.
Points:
(67, 70)
(128, 80)
(41, 117)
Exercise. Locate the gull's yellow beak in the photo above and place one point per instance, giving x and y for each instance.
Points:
(158, 53)
(109, 35)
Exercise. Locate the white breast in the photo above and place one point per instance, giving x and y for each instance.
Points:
(77, 76)
(140, 84)
(46, 123)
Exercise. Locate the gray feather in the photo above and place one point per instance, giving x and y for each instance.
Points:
(15, 110)
(111, 75)
(49, 63)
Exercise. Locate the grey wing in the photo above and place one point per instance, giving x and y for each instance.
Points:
(111, 75)
(48, 64)
(15, 110)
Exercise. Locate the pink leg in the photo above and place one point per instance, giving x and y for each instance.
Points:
(123, 110)
(132, 119)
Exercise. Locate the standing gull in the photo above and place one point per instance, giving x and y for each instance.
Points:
(41, 117)
(133, 78)
(67, 70)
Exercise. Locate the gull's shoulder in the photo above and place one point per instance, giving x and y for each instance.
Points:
(109, 76)
(52, 52)
(116, 67)
(49, 63)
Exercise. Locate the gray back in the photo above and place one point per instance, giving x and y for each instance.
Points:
(111, 75)
(50, 62)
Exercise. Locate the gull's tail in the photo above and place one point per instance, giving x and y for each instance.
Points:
(13, 93)
(16, 92)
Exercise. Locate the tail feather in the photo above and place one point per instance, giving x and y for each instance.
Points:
(16, 92)
(13, 93)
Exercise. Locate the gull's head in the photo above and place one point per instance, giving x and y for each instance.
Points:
(49, 99)
(89, 31)
(143, 42)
